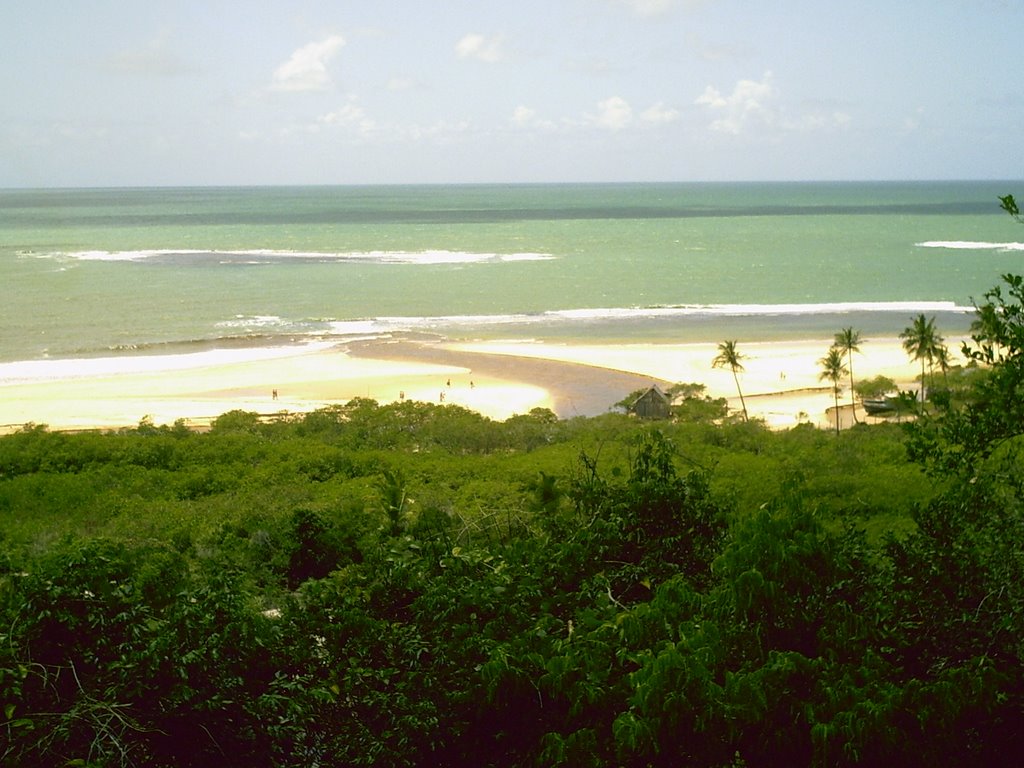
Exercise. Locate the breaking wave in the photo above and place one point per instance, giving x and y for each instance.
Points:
(969, 245)
(378, 325)
(268, 256)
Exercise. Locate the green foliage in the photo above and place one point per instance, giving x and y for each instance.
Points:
(316, 550)
(1008, 204)
(626, 402)
(687, 390)
(236, 421)
(690, 404)
(534, 430)
(122, 658)
(922, 341)
(991, 406)
(875, 387)
(393, 496)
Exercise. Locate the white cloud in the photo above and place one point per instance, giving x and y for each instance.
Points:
(349, 115)
(477, 46)
(755, 106)
(649, 7)
(441, 133)
(614, 113)
(652, 8)
(659, 114)
(524, 115)
(749, 103)
(527, 117)
(306, 68)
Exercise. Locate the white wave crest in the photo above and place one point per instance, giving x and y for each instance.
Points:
(384, 325)
(842, 307)
(970, 245)
(258, 256)
(106, 255)
(254, 321)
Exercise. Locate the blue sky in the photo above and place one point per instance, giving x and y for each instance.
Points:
(112, 92)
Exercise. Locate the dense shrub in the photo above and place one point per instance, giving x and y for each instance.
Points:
(417, 585)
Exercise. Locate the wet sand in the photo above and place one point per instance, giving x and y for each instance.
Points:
(573, 389)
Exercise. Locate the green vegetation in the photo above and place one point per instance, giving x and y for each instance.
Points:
(1009, 205)
(417, 585)
(922, 342)
(875, 388)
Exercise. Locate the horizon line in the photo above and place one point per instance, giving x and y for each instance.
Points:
(356, 185)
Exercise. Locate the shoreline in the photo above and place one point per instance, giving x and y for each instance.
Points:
(498, 379)
(780, 380)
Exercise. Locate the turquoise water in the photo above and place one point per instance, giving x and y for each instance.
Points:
(85, 272)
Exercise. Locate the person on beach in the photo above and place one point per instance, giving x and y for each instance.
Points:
(273, 394)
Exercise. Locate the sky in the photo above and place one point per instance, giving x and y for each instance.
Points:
(256, 92)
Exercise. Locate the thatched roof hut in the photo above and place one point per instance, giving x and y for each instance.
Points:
(651, 404)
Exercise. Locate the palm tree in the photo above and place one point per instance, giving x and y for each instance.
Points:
(922, 341)
(943, 361)
(730, 357)
(848, 341)
(833, 369)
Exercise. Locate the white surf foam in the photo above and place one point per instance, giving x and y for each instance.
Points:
(257, 256)
(383, 325)
(843, 307)
(255, 322)
(971, 245)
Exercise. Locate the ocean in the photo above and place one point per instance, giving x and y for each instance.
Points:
(119, 272)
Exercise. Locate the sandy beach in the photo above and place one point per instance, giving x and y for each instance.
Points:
(780, 380)
(497, 379)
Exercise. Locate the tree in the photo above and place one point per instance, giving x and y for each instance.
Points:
(879, 386)
(993, 414)
(690, 403)
(730, 357)
(1009, 205)
(848, 341)
(942, 360)
(833, 369)
(922, 341)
